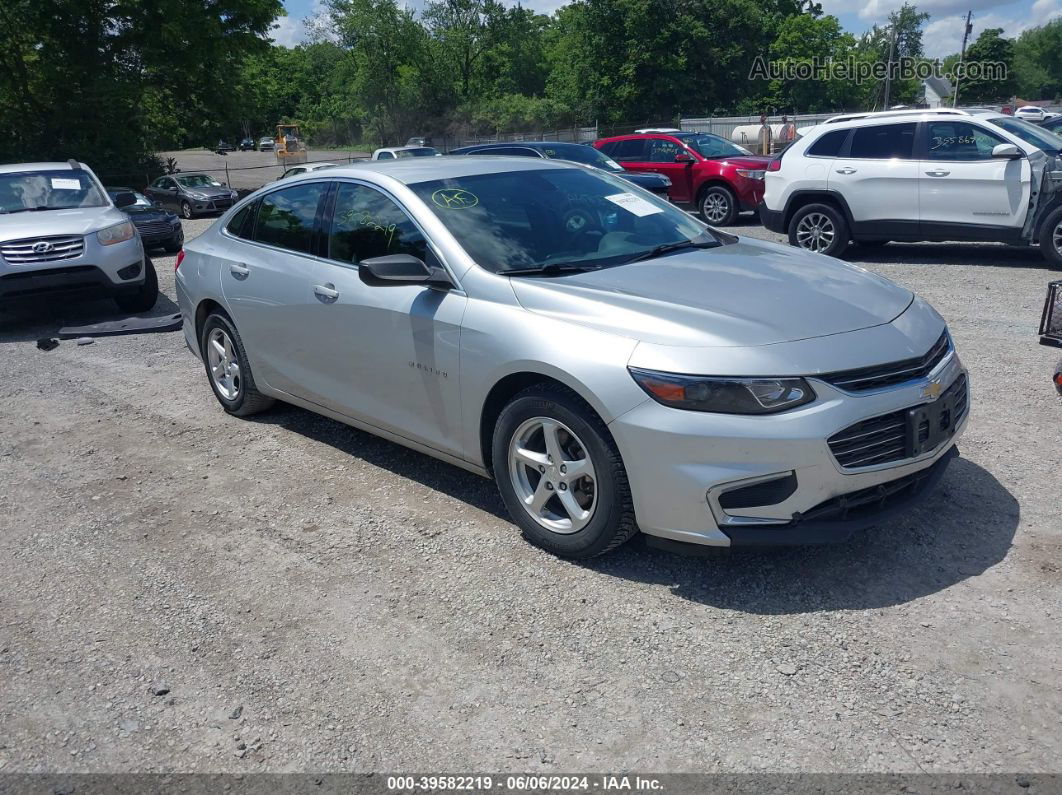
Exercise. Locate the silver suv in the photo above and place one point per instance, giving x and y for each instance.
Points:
(60, 232)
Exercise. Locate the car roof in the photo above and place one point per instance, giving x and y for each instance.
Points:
(410, 170)
(910, 114)
(511, 144)
(13, 168)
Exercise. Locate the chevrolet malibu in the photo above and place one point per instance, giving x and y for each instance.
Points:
(612, 363)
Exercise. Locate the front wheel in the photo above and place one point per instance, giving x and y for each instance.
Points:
(820, 228)
(718, 206)
(1051, 238)
(144, 297)
(186, 210)
(561, 475)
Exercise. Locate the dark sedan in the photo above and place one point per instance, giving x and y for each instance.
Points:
(191, 194)
(247, 145)
(158, 227)
(575, 153)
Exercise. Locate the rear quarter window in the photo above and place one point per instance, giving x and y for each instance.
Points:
(829, 145)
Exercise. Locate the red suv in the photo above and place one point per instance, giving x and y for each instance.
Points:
(720, 178)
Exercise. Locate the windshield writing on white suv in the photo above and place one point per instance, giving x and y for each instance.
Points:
(571, 218)
(64, 189)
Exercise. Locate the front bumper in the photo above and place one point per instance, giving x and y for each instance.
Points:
(680, 464)
(772, 220)
(99, 271)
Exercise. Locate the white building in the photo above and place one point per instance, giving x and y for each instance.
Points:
(936, 92)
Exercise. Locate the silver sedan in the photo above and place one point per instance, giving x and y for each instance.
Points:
(611, 362)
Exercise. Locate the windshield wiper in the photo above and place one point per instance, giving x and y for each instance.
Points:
(553, 269)
(28, 210)
(667, 248)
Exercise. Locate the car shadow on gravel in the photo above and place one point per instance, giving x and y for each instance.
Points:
(930, 254)
(438, 475)
(34, 319)
(965, 527)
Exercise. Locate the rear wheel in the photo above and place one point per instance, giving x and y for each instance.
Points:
(820, 228)
(227, 368)
(1051, 238)
(144, 297)
(718, 205)
(561, 475)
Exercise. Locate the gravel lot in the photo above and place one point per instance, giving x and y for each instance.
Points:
(186, 591)
(251, 170)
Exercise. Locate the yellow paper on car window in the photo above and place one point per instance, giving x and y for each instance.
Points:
(634, 204)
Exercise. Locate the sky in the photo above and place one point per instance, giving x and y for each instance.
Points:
(942, 34)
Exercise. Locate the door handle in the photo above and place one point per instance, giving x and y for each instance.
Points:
(326, 292)
(846, 170)
(937, 173)
(239, 271)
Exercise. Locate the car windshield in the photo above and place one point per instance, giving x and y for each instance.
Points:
(568, 218)
(587, 155)
(1046, 140)
(712, 146)
(198, 181)
(64, 189)
(420, 151)
(141, 199)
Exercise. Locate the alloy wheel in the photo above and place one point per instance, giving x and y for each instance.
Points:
(716, 207)
(553, 475)
(815, 232)
(224, 364)
(186, 210)
(1056, 237)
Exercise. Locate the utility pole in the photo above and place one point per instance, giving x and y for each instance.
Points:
(962, 57)
(888, 68)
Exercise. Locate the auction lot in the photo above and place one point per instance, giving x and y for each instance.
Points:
(188, 591)
(252, 169)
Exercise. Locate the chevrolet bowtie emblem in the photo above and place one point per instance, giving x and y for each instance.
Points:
(931, 390)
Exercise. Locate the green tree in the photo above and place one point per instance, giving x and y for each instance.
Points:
(990, 47)
(1038, 62)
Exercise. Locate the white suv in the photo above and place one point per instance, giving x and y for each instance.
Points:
(918, 175)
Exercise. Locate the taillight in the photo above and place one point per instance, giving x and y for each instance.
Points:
(180, 259)
(776, 164)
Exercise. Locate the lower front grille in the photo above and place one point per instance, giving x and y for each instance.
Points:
(884, 439)
(42, 249)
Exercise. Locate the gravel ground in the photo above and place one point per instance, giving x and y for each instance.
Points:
(251, 170)
(186, 591)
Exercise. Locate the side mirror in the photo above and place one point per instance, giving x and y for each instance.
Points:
(683, 157)
(1006, 151)
(124, 199)
(394, 269)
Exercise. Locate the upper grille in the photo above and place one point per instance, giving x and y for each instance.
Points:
(883, 439)
(151, 228)
(20, 252)
(889, 374)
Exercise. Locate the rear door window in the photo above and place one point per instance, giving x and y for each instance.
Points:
(884, 142)
(286, 217)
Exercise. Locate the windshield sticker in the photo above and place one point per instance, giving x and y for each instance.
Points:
(634, 204)
(613, 164)
(454, 199)
(66, 184)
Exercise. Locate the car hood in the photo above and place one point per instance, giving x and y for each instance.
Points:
(210, 191)
(748, 161)
(645, 180)
(55, 223)
(747, 293)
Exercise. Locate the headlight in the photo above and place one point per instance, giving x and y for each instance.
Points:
(118, 233)
(724, 395)
(667, 180)
(751, 173)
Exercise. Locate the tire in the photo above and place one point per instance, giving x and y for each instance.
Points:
(237, 395)
(145, 296)
(828, 220)
(186, 210)
(1051, 238)
(717, 205)
(603, 515)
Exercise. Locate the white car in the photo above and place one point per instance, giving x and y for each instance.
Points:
(917, 175)
(395, 152)
(1031, 113)
(306, 168)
